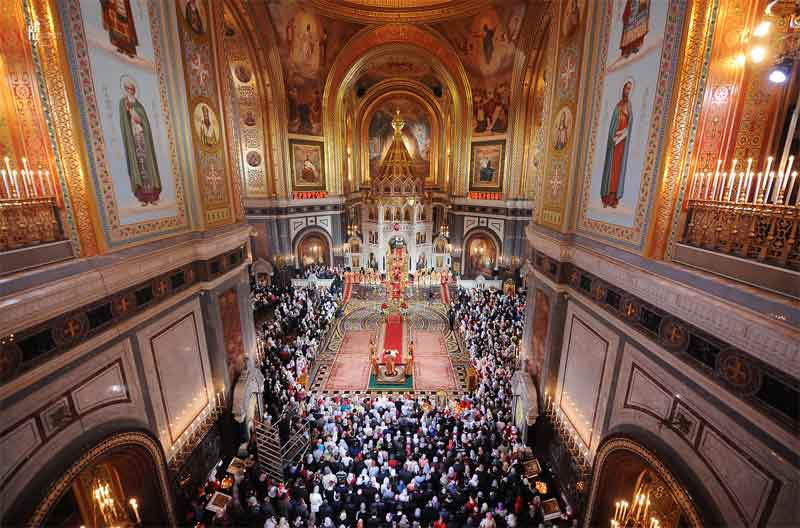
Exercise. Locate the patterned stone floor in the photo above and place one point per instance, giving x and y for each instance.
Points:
(343, 365)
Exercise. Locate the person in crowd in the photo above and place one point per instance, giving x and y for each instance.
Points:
(399, 461)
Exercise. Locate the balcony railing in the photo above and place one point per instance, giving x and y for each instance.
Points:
(744, 225)
(26, 222)
(764, 232)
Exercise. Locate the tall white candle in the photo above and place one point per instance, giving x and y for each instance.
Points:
(768, 187)
(6, 189)
(739, 187)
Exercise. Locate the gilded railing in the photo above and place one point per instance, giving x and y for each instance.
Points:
(28, 222)
(753, 215)
(764, 232)
(28, 207)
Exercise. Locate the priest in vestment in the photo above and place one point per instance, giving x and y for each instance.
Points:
(140, 152)
(617, 149)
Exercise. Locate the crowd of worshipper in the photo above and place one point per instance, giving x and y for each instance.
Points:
(376, 461)
(289, 341)
(321, 271)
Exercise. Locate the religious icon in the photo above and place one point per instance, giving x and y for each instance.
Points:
(243, 73)
(140, 152)
(488, 43)
(307, 162)
(635, 25)
(487, 159)
(206, 126)
(572, 20)
(193, 16)
(564, 123)
(617, 148)
(118, 21)
(249, 119)
(486, 171)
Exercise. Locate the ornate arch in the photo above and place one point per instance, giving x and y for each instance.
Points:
(619, 444)
(268, 74)
(374, 98)
(111, 443)
(305, 233)
(352, 61)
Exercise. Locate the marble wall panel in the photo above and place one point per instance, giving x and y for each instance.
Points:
(587, 361)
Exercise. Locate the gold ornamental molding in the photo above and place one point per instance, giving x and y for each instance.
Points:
(387, 89)
(112, 443)
(268, 70)
(352, 61)
(407, 11)
(653, 463)
(674, 176)
(70, 150)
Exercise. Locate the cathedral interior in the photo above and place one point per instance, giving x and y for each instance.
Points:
(497, 263)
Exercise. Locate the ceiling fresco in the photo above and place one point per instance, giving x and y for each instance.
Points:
(308, 46)
(486, 43)
(399, 66)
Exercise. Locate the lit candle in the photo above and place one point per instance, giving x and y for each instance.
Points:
(41, 182)
(739, 187)
(716, 179)
(757, 195)
(769, 186)
(135, 506)
(26, 173)
(790, 188)
(730, 187)
(788, 168)
(20, 181)
(6, 189)
(52, 185)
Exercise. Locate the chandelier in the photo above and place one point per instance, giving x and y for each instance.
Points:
(636, 513)
(111, 509)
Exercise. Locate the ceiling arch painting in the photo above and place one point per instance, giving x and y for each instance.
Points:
(308, 44)
(486, 44)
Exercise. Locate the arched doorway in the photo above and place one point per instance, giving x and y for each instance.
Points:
(480, 255)
(624, 472)
(314, 248)
(121, 481)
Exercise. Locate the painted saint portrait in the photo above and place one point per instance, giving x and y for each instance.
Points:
(118, 21)
(617, 148)
(243, 73)
(487, 166)
(563, 128)
(194, 15)
(140, 152)
(635, 25)
(206, 126)
(632, 101)
(308, 165)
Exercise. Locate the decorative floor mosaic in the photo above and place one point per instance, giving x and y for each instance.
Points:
(343, 365)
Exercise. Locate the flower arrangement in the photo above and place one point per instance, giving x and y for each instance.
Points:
(403, 305)
(384, 306)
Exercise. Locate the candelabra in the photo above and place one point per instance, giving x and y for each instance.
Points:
(748, 214)
(579, 454)
(636, 516)
(28, 208)
(111, 507)
(194, 434)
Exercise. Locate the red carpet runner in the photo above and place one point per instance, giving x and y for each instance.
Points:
(393, 337)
